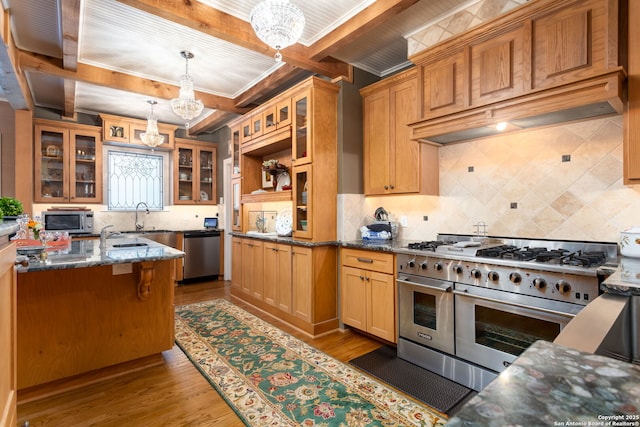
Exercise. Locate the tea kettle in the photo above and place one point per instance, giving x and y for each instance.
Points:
(381, 214)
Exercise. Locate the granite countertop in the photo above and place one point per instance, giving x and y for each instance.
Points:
(552, 385)
(625, 280)
(273, 237)
(8, 227)
(87, 253)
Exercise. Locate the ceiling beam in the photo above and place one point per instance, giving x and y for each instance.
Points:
(70, 26)
(13, 83)
(212, 122)
(102, 77)
(284, 76)
(368, 19)
(221, 25)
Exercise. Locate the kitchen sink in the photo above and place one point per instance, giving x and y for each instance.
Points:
(128, 245)
(165, 237)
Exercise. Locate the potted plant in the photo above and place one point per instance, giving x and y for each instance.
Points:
(269, 164)
(10, 207)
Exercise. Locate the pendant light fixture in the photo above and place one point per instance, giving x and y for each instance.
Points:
(186, 105)
(152, 137)
(278, 23)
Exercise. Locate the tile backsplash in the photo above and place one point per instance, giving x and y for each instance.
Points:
(562, 182)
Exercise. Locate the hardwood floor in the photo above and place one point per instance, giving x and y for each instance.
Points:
(173, 393)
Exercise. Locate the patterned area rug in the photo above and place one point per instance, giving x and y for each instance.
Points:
(273, 379)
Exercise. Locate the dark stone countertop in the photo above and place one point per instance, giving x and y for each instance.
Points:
(87, 253)
(273, 237)
(552, 385)
(8, 227)
(625, 280)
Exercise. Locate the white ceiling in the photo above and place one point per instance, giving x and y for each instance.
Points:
(121, 38)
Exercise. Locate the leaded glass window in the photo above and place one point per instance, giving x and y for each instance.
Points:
(134, 178)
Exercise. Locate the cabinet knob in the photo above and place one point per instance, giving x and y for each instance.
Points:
(392, 187)
(361, 277)
(366, 278)
(386, 187)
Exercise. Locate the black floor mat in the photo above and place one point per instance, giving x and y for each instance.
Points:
(438, 392)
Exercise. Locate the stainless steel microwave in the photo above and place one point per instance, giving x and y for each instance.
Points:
(70, 221)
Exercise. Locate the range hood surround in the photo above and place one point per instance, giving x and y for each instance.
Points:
(596, 97)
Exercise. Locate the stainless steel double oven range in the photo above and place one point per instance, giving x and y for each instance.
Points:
(468, 307)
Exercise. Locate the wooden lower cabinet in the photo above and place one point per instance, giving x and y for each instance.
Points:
(236, 270)
(368, 292)
(8, 381)
(297, 284)
(252, 268)
(277, 276)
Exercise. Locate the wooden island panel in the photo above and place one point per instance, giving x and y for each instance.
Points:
(73, 321)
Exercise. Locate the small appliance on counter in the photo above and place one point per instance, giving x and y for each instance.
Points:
(381, 228)
(72, 219)
(211, 223)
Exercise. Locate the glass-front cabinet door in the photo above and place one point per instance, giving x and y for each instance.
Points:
(51, 175)
(85, 160)
(283, 112)
(68, 165)
(235, 152)
(301, 130)
(302, 201)
(195, 177)
(236, 221)
(185, 194)
(207, 175)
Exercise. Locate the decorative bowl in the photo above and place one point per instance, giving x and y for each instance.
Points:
(630, 242)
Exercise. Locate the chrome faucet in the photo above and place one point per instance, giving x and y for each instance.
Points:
(140, 226)
(104, 235)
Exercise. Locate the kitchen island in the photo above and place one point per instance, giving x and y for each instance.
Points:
(87, 307)
(552, 385)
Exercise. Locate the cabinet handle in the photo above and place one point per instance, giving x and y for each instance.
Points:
(361, 277)
(366, 260)
(366, 278)
(386, 187)
(392, 187)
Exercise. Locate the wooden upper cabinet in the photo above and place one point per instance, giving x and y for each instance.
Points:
(124, 130)
(67, 163)
(194, 173)
(444, 85)
(393, 162)
(576, 41)
(542, 45)
(498, 69)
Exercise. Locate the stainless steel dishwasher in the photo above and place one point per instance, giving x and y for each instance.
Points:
(202, 254)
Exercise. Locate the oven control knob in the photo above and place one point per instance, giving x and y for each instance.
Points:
(539, 283)
(411, 263)
(438, 266)
(476, 274)
(563, 286)
(423, 265)
(457, 269)
(515, 278)
(494, 276)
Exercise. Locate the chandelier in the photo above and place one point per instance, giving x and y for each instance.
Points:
(186, 105)
(152, 137)
(278, 23)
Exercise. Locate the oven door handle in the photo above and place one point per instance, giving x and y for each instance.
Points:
(445, 287)
(515, 304)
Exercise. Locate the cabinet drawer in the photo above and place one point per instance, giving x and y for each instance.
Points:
(368, 260)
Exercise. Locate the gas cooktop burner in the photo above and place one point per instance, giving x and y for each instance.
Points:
(579, 258)
(429, 246)
(510, 252)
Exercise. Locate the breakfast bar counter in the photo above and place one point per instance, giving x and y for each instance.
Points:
(553, 385)
(84, 307)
